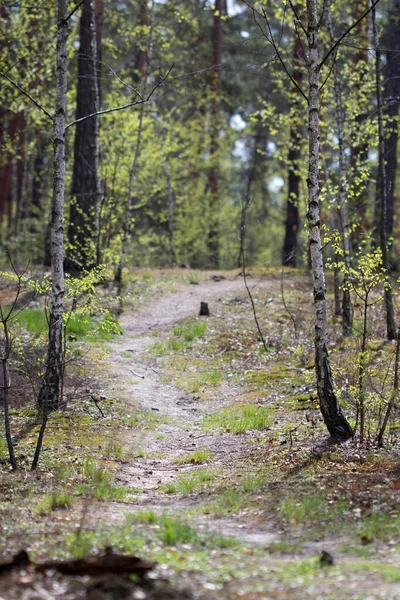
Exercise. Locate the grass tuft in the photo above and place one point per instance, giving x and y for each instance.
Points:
(239, 418)
(53, 500)
(186, 484)
(196, 457)
(191, 332)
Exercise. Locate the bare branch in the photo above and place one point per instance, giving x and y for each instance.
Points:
(339, 40)
(124, 106)
(16, 85)
(271, 41)
(330, 70)
(297, 17)
(278, 54)
(72, 12)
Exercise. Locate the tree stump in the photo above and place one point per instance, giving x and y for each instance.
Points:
(204, 310)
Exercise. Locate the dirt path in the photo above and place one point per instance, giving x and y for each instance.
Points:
(140, 381)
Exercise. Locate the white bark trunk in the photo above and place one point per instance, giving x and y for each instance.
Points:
(333, 417)
(51, 390)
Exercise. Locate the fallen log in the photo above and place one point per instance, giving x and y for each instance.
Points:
(91, 565)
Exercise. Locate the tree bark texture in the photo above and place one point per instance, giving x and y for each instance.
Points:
(391, 99)
(343, 209)
(214, 171)
(359, 147)
(390, 323)
(50, 392)
(81, 253)
(334, 420)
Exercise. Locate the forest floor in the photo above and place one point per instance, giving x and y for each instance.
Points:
(211, 457)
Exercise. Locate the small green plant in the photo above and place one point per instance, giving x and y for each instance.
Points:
(142, 420)
(239, 418)
(283, 547)
(196, 457)
(192, 331)
(3, 449)
(114, 450)
(253, 482)
(212, 377)
(159, 349)
(53, 500)
(380, 526)
(176, 345)
(311, 508)
(98, 484)
(227, 502)
(186, 484)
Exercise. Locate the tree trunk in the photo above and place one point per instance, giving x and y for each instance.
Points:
(214, 171)
(289, 256)
(50, 392)
(390, 324)
(81, 253)
(391, 97)
(359, 147)
(334, 420)
(347, 314)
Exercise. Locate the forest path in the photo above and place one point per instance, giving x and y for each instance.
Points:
(138, 377)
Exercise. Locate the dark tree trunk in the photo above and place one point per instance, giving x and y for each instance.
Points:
(289, 255)
(390, 323)
(214, 171)
(140, 64)
(359, 147)
(391, 99)
(81, 253)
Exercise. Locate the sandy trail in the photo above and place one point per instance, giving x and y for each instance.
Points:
(140, 381)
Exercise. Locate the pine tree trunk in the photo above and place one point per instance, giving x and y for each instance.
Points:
(50, 392)
(334, 420)
(347, 315)
(390, 323)
(359, 147)
(214, 171)
(289, 255)
(81, 253)
(391, 97)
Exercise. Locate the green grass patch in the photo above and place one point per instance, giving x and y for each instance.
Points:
(196, 457)
(130, 539)
(192, 331)
(143, 420)
(53, 500)
(282, 547)
(34, 320)
(98, 484)
(3, 449)
(186, 484)
(380, 526)
(227, 502)
(310, 509)
(159, 349)
(239, 418)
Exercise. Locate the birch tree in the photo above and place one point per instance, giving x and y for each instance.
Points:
(334, 419)
(50, 393)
